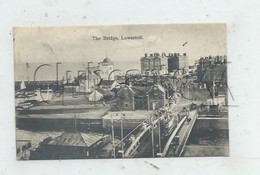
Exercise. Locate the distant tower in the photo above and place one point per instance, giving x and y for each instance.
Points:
(105, 68)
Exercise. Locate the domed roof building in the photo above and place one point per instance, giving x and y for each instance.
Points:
(107, 60)
(105, 68)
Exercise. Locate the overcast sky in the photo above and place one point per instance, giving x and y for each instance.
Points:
(75, 44)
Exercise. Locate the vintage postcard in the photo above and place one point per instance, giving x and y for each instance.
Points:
(122, 91)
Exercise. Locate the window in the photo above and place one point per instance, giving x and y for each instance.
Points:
(126, 104)
(146, 64)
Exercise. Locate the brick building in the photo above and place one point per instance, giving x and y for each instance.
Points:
(124, 100)
(154, 63)
(212, 66)
(130, 98)
(156, 97)
(177, 62)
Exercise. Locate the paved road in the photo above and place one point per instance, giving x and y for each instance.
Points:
(183, 134)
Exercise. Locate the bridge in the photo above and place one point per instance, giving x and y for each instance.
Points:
(166, 146)
(182, 131)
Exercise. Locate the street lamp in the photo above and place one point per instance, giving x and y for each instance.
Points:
(57, 74)
(159, 128)
(122, 137)
(113, 137)
(152, 134)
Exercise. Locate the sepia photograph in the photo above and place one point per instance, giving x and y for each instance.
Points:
(121, 91)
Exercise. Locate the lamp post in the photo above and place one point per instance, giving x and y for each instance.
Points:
(159, 128)
(113, 137)
(57, 74)
(122, 137)
(152, 134)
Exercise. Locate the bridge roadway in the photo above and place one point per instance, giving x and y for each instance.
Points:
(182, 129)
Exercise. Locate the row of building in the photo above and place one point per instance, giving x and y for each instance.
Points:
(212, 68)
(162, 63)
(131, 98)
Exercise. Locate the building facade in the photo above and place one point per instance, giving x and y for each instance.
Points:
(177, 61)
(156, 97)
(212, 67)
(125, 101)
(106, 67)
(130, 98)
(154, 64)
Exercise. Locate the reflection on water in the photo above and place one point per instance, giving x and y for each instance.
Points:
(208, 137)
(207, 143)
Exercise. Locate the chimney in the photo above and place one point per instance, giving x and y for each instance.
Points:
(145, 55)
(184, 54)
(151, 55)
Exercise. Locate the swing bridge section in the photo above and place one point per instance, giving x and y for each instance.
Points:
(150, 133)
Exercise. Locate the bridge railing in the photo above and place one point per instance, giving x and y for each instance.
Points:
(133, 147)
(167, 145)
(180, 148)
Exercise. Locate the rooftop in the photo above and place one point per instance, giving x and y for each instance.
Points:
(76, 139)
